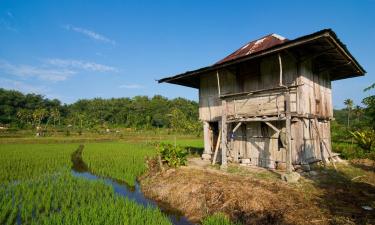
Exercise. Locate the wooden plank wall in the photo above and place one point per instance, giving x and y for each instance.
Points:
(262, 145)
(209, 102)
(253, 140)
(271, 103)
(315, 95)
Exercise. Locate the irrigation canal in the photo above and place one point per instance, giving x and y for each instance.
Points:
(81, 170)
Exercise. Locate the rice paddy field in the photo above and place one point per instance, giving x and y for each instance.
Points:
(37, 185)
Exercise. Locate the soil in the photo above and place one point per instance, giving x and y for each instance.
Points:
(255, 196)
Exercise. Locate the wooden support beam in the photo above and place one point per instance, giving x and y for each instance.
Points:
(236, 127)
(224, 134)
(259, 91)
(321, 142)
(288, 133)
(272, 126)
(216, 148)
(218, 82)
(313, 56)
(281, 70)
(329, 68)
(256, 119)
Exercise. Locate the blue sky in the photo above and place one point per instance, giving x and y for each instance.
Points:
(85, 49)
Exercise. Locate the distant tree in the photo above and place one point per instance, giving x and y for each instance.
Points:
(349, 106)
(55, 115)
(358, 112)
(38, 116)
(24, 116)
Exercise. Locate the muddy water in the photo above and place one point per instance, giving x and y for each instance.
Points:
(81, 170)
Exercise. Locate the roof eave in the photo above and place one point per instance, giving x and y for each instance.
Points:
(327, 33)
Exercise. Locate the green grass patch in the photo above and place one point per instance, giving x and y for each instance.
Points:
(121, 161)
(29, 161)
(218, 219)
(61, 198)
(348, 150)
(37, 187)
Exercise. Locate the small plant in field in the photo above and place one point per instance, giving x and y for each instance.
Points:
(365, 139)
(218, 219)
(173, 155)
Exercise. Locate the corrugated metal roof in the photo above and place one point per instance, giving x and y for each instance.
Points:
(255, 46)
(305, 46)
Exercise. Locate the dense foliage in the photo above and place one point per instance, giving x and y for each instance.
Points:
(31, 110)
(173, 155)
(354, 128)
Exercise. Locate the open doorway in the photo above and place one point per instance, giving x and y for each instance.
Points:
(214, 130)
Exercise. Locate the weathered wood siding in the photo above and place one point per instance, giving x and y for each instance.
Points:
(263, 74)
(209, 102)
(255, 140)
(314, 95)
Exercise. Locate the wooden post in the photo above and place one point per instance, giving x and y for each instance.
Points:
(224, 135)
(207, 141)
(288, 133)
(216, 149)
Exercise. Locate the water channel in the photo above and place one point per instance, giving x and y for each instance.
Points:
(81, 170)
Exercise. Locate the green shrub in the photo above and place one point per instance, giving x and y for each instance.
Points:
(174, 156)
(365, 139)
(218, 219)
(348, 150)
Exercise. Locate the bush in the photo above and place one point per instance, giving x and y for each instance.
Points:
(365, 139)
(174, 156)
(348, 150)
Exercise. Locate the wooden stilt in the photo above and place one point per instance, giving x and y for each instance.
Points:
(288, 133)
(224, 135)
(323, 143)
(216, 149)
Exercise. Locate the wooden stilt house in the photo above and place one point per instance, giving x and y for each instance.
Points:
(269, 103)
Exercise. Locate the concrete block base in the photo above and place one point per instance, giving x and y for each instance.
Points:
(292, 177)
(206, 156)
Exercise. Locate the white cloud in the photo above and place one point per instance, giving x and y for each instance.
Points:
(91, 34)
(78, 64)
(51, 74)
(21, 86)
(131, 86)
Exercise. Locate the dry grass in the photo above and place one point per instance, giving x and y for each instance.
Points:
(259, 197)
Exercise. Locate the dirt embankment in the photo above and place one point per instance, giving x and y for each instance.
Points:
(201, 192)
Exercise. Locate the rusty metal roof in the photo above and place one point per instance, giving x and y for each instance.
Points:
(323, 45)
(255, 46)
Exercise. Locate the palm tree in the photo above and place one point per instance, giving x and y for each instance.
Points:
(358, 111)
(349, 106)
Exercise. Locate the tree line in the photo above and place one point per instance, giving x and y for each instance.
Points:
(20, 110)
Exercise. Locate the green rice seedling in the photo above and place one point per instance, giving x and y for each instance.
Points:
(89, 202)
(27, 161)
(37, 187)
(218, 219)
(121, 161)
